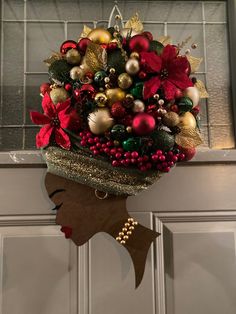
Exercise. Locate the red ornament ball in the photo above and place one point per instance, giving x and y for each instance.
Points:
(142, 75)
(112, 46)
(45, 88)
(104, 46)
(117, 110)
(68, 87)
(188, 153)
(148, 35)
(174, 108)
(139, 43)
(67, 45)
(83, 44)
(195, 111)
(143, 124)
(178, 93)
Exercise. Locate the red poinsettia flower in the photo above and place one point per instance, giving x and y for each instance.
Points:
(172, 71)
(55, 119)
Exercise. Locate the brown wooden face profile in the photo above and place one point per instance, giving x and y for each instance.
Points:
(81, 215)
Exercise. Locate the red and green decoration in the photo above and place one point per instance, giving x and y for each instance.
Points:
(124, 97)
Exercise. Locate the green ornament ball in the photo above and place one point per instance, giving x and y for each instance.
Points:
(59, 71)
(156, 46)
(163, 140)
(118, 132)
(117, 61)
(185, 104)
(132, 144)
(99, 78)
(137, 91)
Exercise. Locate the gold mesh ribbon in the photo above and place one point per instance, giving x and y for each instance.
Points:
(96, 173)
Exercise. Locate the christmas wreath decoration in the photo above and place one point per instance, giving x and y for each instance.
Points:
(120, 109)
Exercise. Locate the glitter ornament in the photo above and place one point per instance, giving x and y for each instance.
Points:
(117, 110)
(59, 72)
(171, 119)
(76, 73)
(138, 106)
(124, 81)
(58, 95)
(163, 140)
(73, 56)
(189, 153)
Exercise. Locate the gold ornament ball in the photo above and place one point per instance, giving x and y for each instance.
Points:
(100, 36)
(132, 66)
(129, 97)
(100, 121)
(187, 120)
(100, 99)
(129, 129)
(76, 73)
(58, 94)
(138, 106)
(124, 81)
(114, 95)
(73, 56)
(112, 70)
(193, 93)
(134, 55)
(171, 119)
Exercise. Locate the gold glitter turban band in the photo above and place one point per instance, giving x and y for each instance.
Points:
(97, 173)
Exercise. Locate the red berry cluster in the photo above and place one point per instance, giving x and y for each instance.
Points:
(162, 161)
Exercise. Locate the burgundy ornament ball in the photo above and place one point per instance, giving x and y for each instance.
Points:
(67, 45)
(143, 124)
(117, 110)
(83, 44)
(148, 35)
(139, 43)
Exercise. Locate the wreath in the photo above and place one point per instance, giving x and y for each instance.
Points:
(120, 109)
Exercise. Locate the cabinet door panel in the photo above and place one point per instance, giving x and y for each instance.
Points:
(38, 271)
(200, 267)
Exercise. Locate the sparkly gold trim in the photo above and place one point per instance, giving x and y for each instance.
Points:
(97, 173)
(126, 231)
